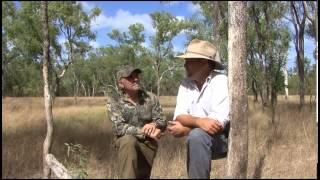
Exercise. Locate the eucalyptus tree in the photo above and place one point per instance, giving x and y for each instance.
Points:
(8, 53)
(167, 27)
(267, 36)
(298, 19)
(311, 10)
(75, 28)
(130, 43)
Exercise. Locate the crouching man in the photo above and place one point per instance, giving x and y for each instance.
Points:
(138, 123)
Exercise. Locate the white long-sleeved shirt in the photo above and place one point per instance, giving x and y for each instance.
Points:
(211, 101)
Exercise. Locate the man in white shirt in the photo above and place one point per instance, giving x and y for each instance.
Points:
(202, 109)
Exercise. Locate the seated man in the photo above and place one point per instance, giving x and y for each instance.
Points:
(202, 108)
(138, 123)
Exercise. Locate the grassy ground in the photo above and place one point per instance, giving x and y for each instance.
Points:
(287, 149)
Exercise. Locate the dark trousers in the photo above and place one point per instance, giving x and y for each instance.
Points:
(202, 148)
(135, 157)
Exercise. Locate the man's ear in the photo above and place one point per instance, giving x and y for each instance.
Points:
(121, 86)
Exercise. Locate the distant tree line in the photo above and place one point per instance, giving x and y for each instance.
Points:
(81, 70)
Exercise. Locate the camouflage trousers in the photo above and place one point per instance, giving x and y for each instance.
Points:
(135, 157)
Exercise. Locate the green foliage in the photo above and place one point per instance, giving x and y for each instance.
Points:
(267, 44)
(93, 70)
(76, 160)
(22, 78)
(129, 44)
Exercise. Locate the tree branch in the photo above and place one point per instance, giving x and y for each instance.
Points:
(305, 7)
(295, 13)
(64, 69)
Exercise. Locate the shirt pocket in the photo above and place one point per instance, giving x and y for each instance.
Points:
(127, 114)
(145, 113)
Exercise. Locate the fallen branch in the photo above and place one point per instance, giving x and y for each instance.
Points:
(60, 171)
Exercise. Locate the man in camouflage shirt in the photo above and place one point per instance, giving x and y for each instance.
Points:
(138, 123)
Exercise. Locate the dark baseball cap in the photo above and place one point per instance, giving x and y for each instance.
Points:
(126, 71)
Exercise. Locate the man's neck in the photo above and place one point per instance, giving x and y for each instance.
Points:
(201, 78)
(133, 97)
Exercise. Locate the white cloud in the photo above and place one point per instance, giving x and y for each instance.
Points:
(86, 6)
(180, 18)
(122, 20)
(94, 44)
(172, 3)
(61, 39)
(193, 8)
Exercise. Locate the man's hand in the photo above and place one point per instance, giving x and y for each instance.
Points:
(149, 129)
(210, 126)
(156, 135)
(177, 129)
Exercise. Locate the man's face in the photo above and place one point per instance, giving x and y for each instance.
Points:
(194, 66)
(130, 83)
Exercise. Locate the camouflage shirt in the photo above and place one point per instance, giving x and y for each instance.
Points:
(128, 119)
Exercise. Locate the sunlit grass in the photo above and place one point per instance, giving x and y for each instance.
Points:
(288, 151)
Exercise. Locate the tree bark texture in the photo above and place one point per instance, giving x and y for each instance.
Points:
(47, 93)
(238, 138)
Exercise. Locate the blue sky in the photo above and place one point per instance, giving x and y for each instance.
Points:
(120, 14)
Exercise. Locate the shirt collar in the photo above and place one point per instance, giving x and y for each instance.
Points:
(208, 79)
(142, 96)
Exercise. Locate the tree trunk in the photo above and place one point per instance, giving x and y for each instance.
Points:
(300, 62)
(93, 86)
(238, 138)
(158, 87)
(47, 94)
(84, 89)
(254, 90)
(285, 73)
(273, 102)
(76, 88)
(299, 26)
(217, 21)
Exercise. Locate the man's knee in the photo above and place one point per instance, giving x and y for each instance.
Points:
(198, 135)
(127, 142)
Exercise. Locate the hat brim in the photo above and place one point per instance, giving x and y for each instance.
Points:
(189, 55)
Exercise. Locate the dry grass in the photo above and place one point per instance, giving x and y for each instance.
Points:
(287, 151)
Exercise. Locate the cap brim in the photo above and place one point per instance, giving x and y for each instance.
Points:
(137, 70)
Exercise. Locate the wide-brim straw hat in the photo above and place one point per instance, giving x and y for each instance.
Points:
(203, 50)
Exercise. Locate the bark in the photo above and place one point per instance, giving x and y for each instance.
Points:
(59, 170)
(84, 88)
(238, 138)
(263, 65)
(47, 93)
(285, 73)
(76, 88)
(254, 90)
(299, 26)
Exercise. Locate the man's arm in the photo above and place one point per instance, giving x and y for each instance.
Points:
(177, 129)
(211, 126)
(119, 125)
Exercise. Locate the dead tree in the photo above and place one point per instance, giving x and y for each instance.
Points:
(47, 96)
